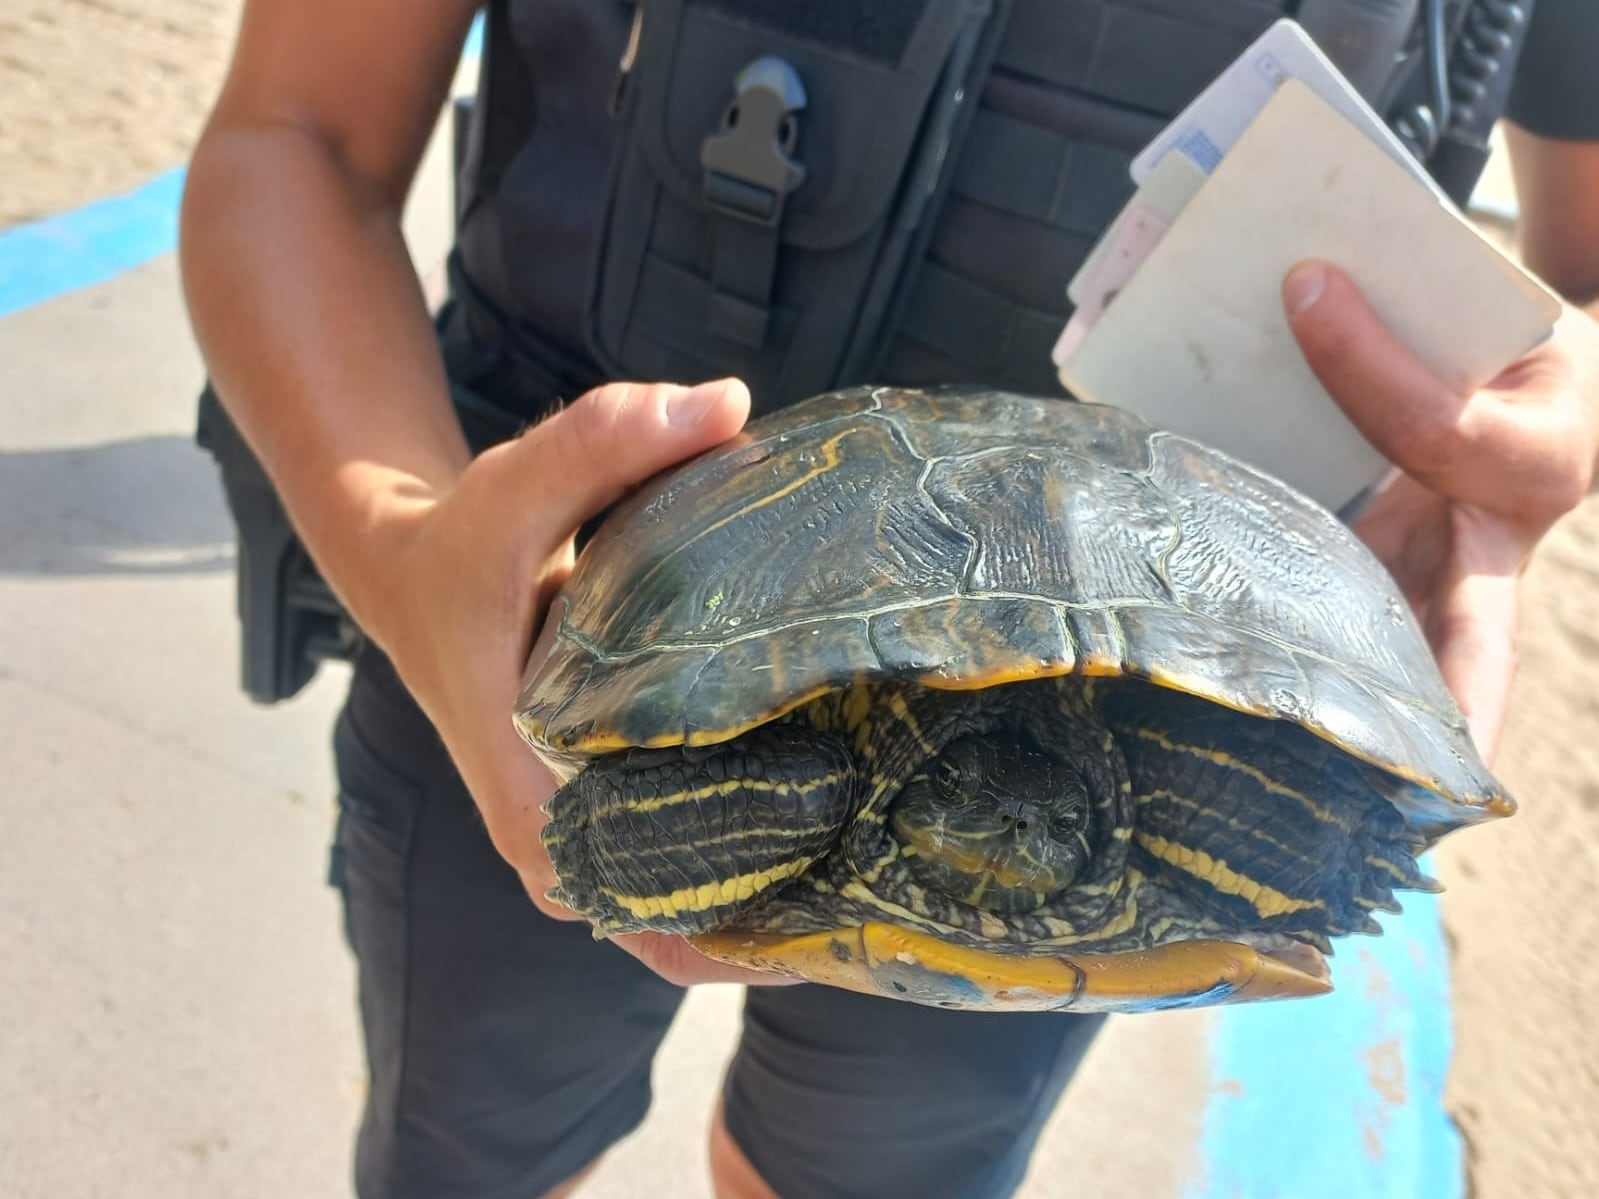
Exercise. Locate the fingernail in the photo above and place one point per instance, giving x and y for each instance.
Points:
(1303, 287)
(687, 408)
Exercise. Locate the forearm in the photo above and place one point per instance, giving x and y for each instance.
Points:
(313, 326)
(1557, 184)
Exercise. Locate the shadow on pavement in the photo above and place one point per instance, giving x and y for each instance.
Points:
(144, 506)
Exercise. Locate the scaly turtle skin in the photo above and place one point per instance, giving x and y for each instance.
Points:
(987, 701)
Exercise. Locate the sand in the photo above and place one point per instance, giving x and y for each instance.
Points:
(98, 95)
(1520, 910)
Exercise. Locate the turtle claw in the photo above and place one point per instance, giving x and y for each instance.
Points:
(1317, 941)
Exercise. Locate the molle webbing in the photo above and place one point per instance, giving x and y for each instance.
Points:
(879, 30)
(1153, 55)
(1077, 88)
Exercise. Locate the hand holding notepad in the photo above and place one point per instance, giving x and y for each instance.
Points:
(1179, 311)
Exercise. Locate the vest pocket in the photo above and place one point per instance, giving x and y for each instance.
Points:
(777, 167)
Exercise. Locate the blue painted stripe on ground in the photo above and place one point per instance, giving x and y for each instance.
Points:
(1341, 1097)
(90, 244)
(99, 241)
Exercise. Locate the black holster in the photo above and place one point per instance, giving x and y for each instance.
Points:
(289, 619)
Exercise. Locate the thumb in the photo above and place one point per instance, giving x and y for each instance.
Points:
(1421, 423)
(583, 459)
(1504, 449)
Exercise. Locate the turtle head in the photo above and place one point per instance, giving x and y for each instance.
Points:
(995, 820)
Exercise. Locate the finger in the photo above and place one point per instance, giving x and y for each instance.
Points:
(538, 888)
(1475, 637)
(673, 958)
(1471, 624)
(1407, 527)
(511, 785)
(1475, 449)
(678, 962)
(583, 459)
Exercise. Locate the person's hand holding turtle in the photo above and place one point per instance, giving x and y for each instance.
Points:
(463, 575)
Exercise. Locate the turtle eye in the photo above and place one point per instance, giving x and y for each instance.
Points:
(1070, 816)
(1068, 826)
(949, 780)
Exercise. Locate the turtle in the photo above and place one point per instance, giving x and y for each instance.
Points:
(996, 702)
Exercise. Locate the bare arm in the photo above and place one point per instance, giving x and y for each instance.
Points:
(314, 328)
(1557, 184)
(300, 288)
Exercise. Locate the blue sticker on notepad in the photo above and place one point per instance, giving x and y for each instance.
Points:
(1205, 153)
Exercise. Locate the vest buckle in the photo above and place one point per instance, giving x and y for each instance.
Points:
(748, 163)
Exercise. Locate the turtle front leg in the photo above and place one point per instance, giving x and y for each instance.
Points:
(685, 840)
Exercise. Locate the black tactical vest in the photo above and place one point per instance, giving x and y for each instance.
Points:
(807, 195)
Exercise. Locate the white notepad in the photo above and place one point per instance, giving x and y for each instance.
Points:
(1197, 340)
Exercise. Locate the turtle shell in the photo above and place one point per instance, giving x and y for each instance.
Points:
(965, 539)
